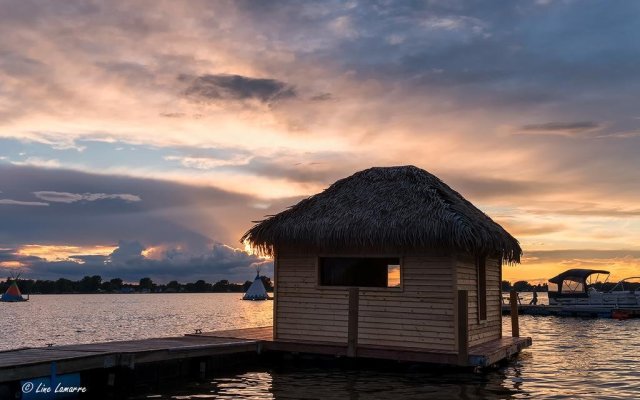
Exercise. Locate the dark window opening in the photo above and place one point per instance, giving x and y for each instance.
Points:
(482, 288)
(360, 271)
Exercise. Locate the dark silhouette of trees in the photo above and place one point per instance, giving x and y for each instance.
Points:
(95, 284)
(146, 284)
(523, 286)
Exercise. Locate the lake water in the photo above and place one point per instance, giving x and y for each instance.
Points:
(570, 358)
(80, 318)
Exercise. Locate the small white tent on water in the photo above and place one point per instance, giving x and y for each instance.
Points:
(256, 290)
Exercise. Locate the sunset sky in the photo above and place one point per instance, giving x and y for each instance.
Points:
(142, 138)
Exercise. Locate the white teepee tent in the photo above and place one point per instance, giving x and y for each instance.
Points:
(256, 290)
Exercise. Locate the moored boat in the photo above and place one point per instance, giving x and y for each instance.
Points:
(575, 287)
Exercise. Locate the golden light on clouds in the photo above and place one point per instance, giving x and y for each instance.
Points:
(235, 112)
(62, 252)
(540, 269)
(11, 264)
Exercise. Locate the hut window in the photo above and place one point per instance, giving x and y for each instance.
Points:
(360, 271)
(482, 288)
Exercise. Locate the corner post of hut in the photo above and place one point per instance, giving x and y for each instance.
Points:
(463, 327)
(352, 332)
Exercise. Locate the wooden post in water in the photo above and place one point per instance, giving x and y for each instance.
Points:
(515, 326)
(352, 334)
(463, 327)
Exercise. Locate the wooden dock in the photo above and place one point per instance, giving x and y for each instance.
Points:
(107, 365)
(26, 363)
(580, 311)
(482, 355)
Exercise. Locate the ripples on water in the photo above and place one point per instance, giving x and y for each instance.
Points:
(570, 359)
(71, 319)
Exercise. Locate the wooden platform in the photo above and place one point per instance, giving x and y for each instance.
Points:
(35, 362)
(27, 363)
(581, 311)
(479, 356)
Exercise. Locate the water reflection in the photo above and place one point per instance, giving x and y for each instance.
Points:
(571, 358)
(72, 319)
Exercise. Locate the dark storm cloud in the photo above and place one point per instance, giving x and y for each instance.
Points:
(166, 212)
(128, 262)
(65, 197)
(236, 87)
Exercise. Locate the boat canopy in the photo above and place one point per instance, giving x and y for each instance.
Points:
(576, 275)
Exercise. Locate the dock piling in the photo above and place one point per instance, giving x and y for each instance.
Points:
(515, 325)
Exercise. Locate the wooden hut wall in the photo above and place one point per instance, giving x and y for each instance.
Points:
(467, 278)
(302, 311)
(420, 314)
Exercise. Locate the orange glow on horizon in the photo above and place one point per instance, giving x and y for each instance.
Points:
(11, 264)
(539, 271)
(63, 252)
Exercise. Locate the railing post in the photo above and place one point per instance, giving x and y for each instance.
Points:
(463, 327)
(515, 326)
(352, 333)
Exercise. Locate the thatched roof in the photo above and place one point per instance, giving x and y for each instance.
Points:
(395, 207)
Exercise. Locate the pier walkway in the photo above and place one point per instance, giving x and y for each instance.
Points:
(28, 363)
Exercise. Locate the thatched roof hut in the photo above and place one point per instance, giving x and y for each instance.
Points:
(386, 208)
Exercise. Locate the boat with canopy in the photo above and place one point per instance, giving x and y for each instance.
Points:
(576, 287)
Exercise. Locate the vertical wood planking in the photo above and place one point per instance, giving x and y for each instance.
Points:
(352, 336)
(463, 327)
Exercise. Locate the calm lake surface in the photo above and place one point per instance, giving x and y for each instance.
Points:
(570, 358)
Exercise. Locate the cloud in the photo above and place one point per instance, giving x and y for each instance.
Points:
(237, 87)
(583, 209)
(518, 228)
(185, 215)
(207, 163)
(127, 252)
(482, 95)
(23, 203)
(65, 197)
(39, 162)
(128, 262)
(561, 128)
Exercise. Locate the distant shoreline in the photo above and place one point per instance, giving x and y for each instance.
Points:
(95, 285)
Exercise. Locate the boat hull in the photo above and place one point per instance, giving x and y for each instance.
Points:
(598, 299)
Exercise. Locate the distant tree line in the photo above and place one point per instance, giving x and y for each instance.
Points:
(95, 284)
(524, 286)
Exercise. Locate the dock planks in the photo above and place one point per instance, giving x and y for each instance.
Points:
(27, 363)
(482, 355)
(34, 362)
